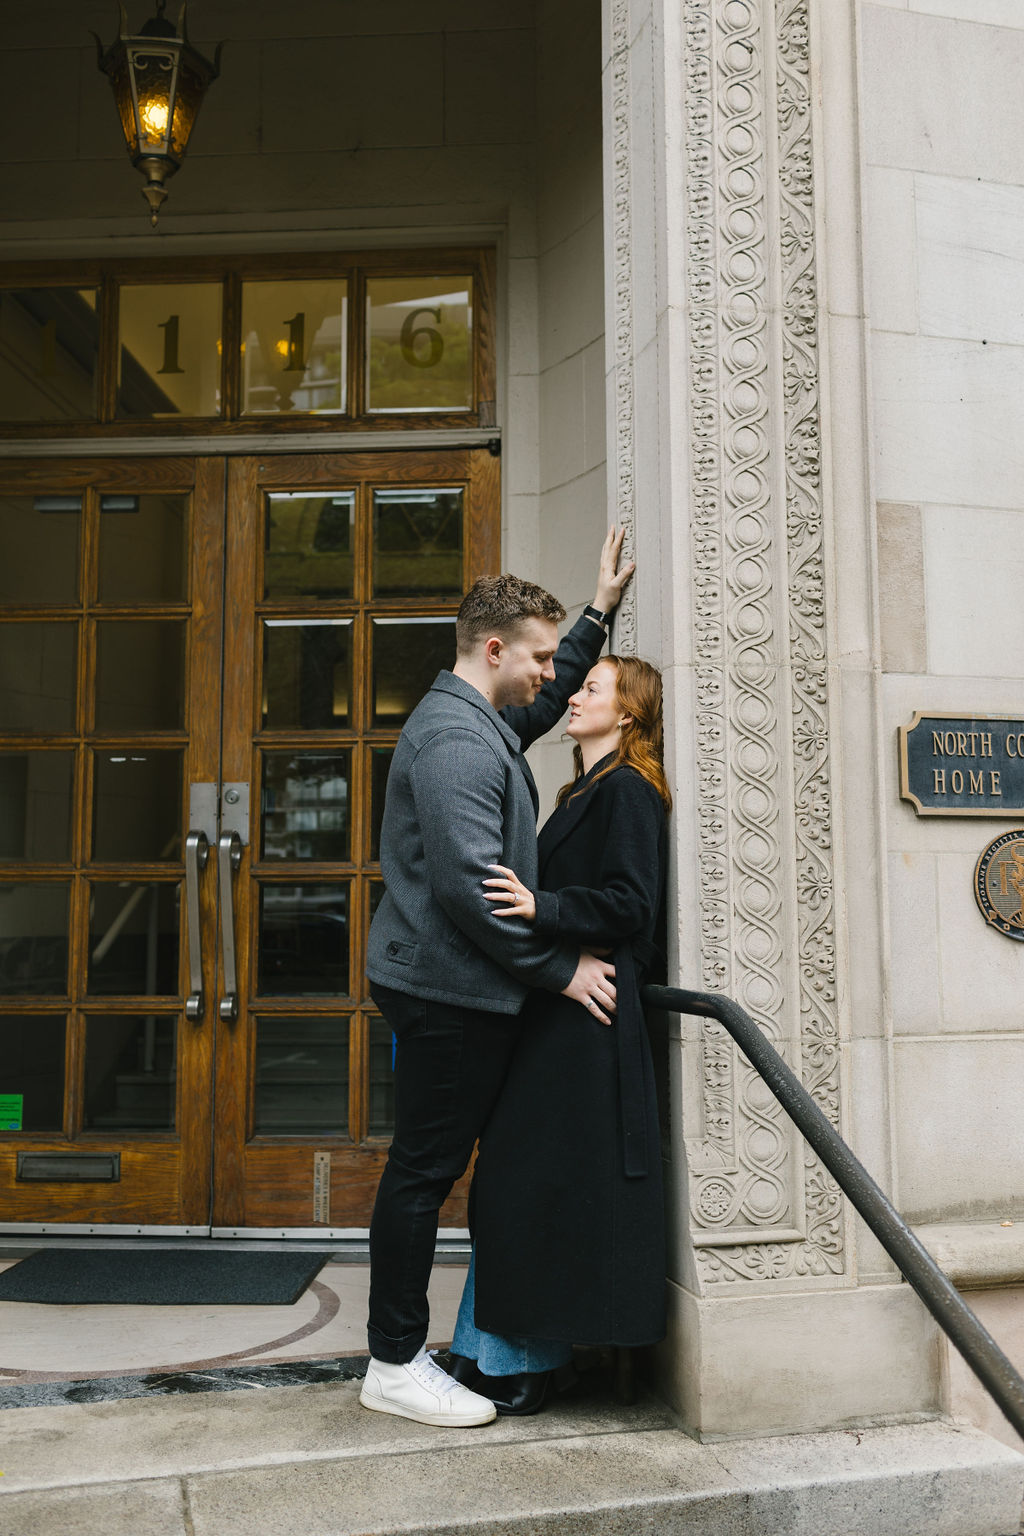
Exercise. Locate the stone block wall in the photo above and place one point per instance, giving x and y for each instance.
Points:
(943, 125)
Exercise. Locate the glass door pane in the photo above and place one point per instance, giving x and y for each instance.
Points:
(41, 538)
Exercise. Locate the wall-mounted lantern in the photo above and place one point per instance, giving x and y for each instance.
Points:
(159, 81)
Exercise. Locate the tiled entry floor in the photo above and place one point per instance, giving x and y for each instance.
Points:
(77, 1353)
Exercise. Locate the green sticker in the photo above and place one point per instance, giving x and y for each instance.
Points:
(10, 1111)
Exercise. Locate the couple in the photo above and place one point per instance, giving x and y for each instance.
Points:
(500, 965)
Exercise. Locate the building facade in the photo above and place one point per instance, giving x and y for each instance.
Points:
(441, 286)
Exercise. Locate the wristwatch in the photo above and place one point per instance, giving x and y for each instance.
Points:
(590, 612)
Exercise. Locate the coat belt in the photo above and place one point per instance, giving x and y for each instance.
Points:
(635, 1076)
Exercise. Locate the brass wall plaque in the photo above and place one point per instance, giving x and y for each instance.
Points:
(999, 884)
(963, 765)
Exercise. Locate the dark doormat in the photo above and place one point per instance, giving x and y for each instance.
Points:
(147, 1277)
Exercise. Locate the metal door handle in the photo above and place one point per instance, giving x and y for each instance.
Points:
(197, 851)
(229, 857)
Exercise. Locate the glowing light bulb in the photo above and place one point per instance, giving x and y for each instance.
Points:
(153, 115)
(281, 348)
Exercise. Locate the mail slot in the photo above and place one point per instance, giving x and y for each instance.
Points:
(69, 1167)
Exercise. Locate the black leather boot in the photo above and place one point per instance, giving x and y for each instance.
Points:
(515, 1396)
(465, 1371)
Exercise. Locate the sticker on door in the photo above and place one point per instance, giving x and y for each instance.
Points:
(11, 1111)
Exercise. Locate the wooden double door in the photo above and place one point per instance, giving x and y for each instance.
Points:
(204, 666)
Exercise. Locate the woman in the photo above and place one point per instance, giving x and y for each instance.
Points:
(567, 1200)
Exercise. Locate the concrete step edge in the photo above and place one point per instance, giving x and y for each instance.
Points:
(930, 1480)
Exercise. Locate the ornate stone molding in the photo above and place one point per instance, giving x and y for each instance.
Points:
(762, 1209)
(622, 295)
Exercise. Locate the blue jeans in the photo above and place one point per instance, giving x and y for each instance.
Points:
(498, 1354)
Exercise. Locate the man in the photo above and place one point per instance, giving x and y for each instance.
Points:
(448, 978)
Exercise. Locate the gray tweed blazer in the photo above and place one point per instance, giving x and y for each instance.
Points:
(461, 796)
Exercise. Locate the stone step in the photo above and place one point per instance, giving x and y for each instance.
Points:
(308, 1461)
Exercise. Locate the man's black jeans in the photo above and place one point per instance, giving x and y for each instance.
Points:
(449, 1067)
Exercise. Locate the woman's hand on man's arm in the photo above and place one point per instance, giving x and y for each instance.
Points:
(510, 895)
(593, 982)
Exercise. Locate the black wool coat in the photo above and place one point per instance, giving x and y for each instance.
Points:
(567, 1207)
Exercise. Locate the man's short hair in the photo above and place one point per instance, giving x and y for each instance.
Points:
(497, 605)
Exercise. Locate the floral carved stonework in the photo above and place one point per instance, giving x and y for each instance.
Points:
(763, 1208)
(621, 468)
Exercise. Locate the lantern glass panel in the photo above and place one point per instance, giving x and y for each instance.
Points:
(121, 81)
(154, 69)
(187, 101)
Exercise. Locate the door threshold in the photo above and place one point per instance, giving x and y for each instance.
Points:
(96, 1229)
(330, 1234)
(347, 1245)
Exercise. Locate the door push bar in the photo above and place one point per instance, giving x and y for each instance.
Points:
(197, 851)
(229, 857)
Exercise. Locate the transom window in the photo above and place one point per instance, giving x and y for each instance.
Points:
(225, 345)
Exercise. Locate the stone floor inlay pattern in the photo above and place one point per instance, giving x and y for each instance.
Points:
(64, 1354)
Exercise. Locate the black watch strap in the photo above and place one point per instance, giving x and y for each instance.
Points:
(590, 612)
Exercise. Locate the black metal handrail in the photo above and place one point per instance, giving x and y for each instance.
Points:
(935, 1289)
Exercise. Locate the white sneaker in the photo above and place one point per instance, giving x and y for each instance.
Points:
(420, 1390)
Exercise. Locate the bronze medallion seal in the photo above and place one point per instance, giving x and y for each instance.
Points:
(999, 884)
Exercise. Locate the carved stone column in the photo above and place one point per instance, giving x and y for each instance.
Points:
(760, 1208)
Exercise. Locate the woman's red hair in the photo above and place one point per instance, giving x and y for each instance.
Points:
(642, 739)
